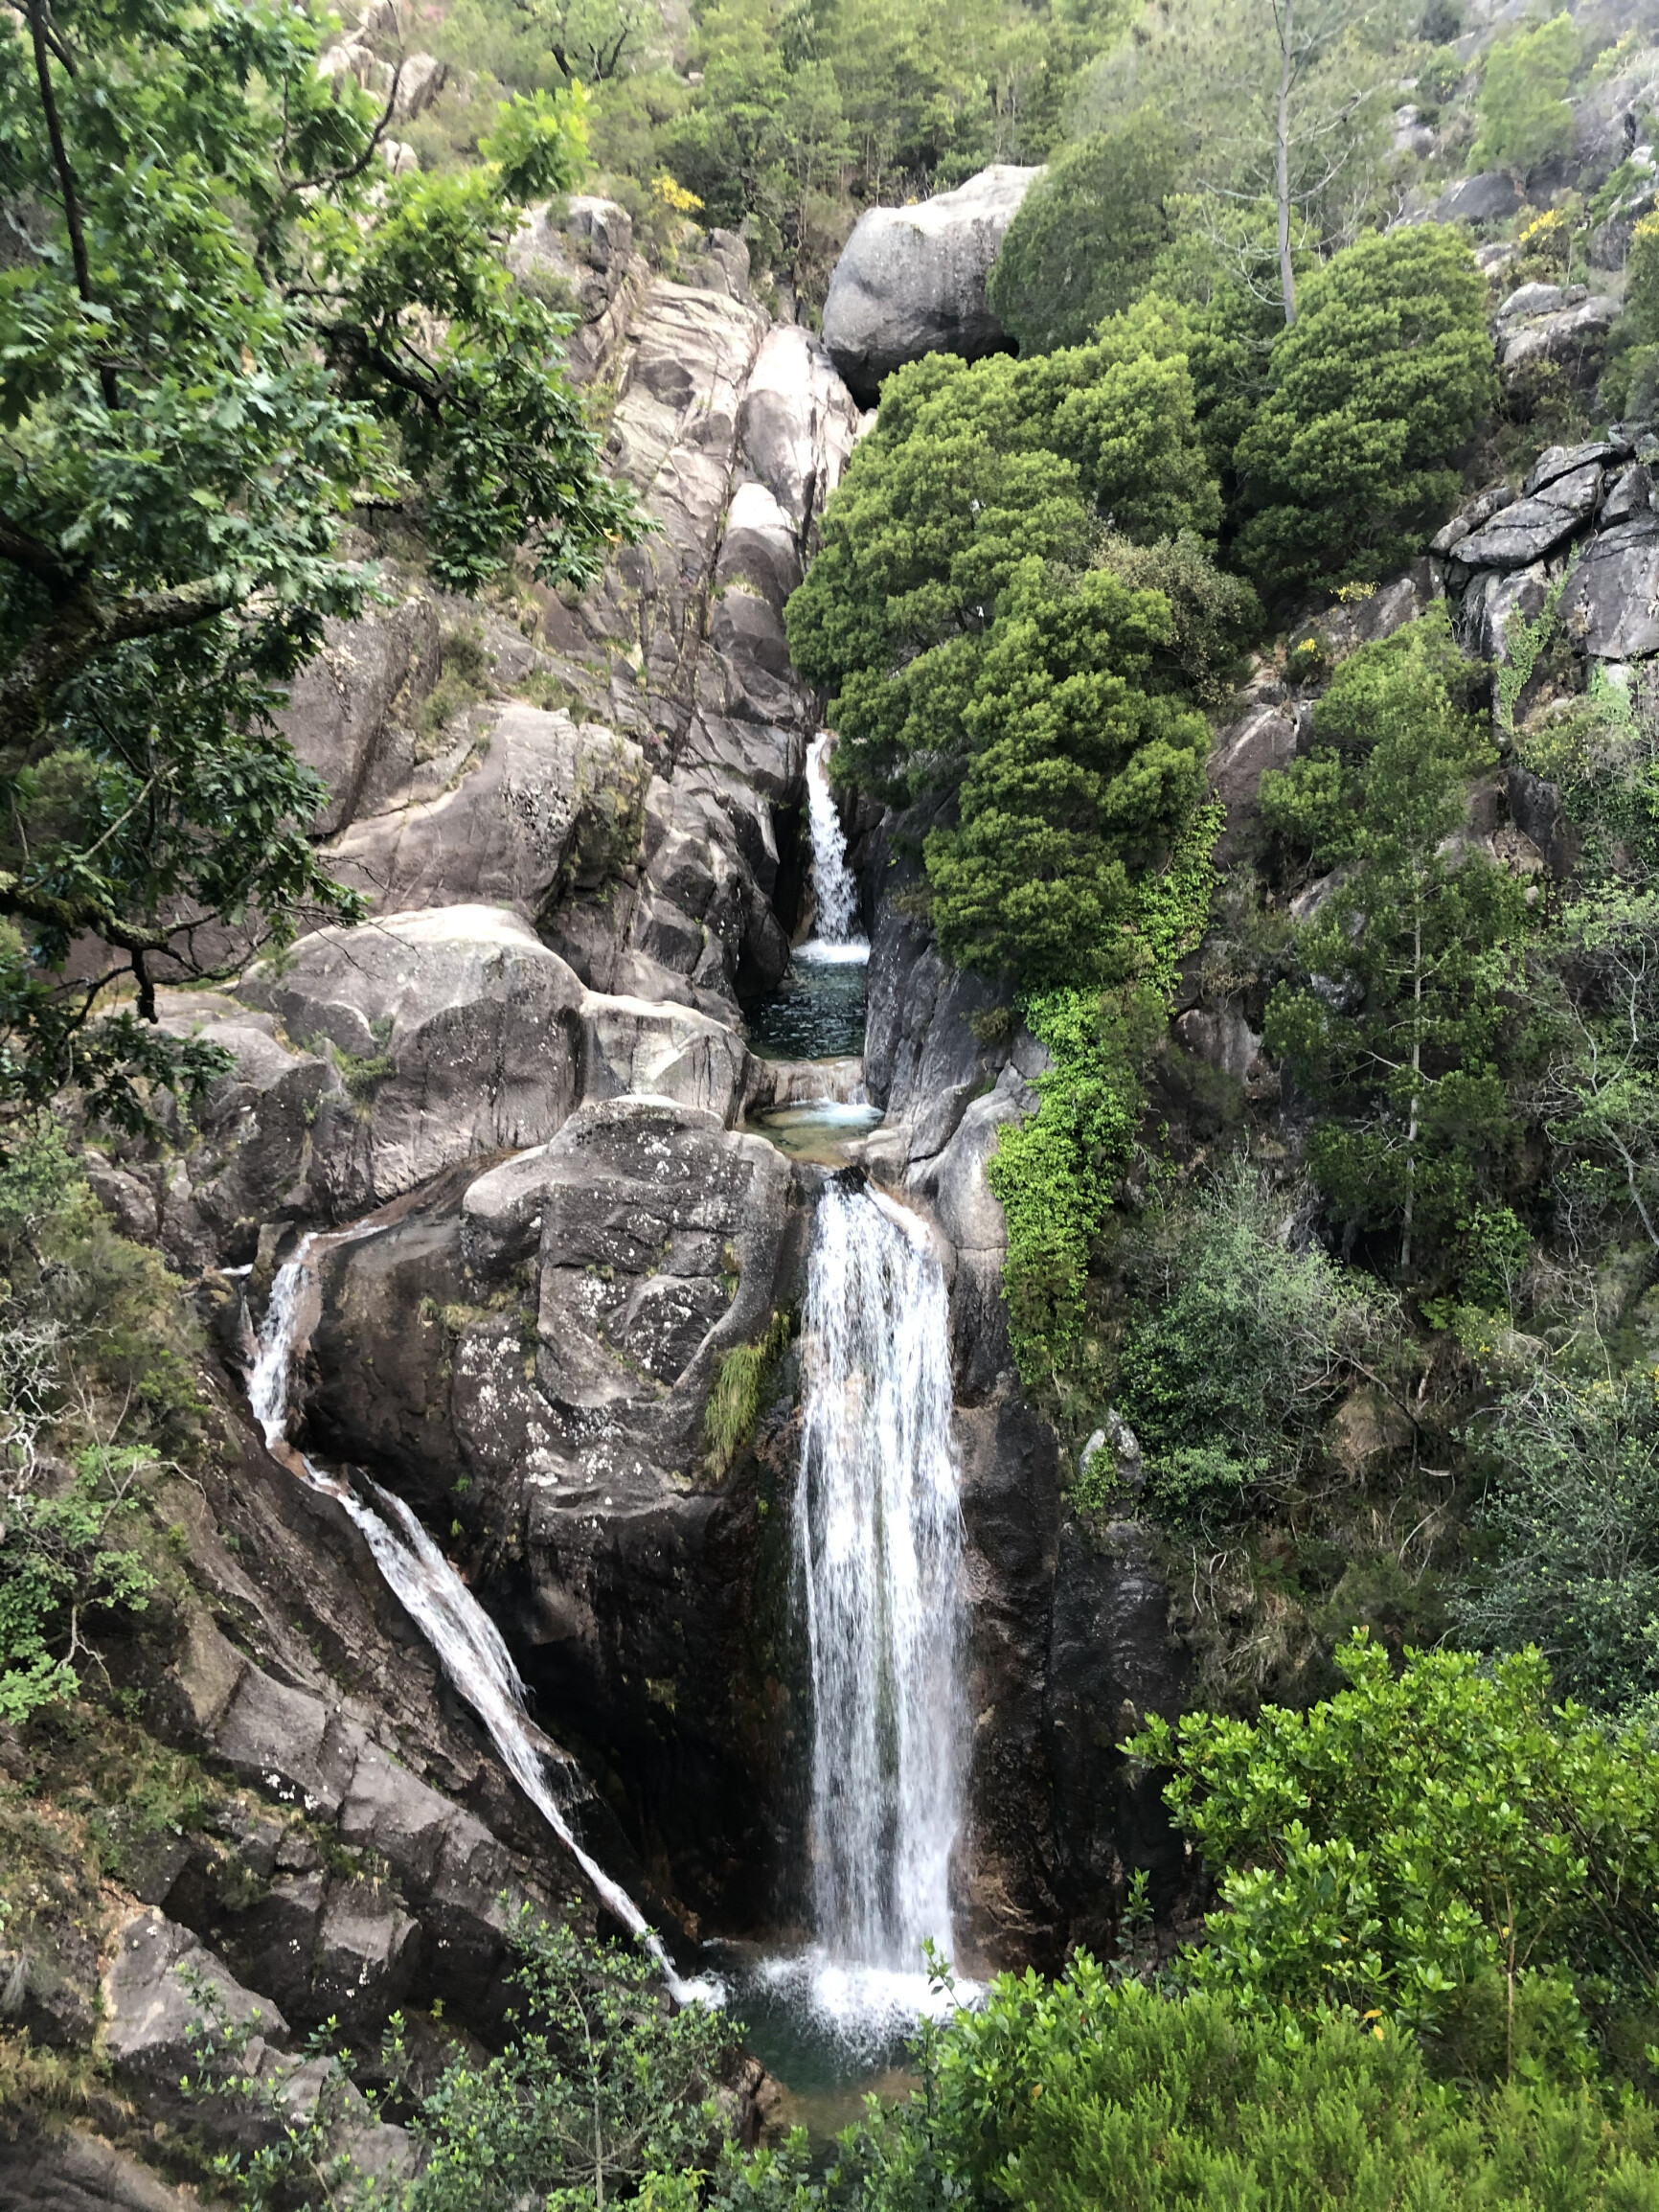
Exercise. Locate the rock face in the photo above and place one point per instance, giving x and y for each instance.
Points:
(912, 279)
(538, 1354)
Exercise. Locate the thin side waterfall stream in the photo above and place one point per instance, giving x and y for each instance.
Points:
(819, 1012)
(469, 1645)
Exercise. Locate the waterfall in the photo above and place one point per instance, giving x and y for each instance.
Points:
(835, 895)
(878, 1553)
(467, 1641)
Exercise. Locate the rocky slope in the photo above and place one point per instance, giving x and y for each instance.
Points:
(579, 826)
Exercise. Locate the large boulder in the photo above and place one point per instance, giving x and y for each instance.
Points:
(912, 279)
(455, 1030)
(578, 252)
(540, 809)
(350, 710)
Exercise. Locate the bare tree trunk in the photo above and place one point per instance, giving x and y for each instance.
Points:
(1286, 16)
(1415, 1091)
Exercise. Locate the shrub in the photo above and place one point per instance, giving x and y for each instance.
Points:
(1377, 389)
(1523, 116)
(1086, 236)
(1235, 1348)
(1570, 1522)
(1445, 1849)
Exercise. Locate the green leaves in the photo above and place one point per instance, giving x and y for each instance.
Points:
(1377, 390)
(264, 329)
(1415, 1842)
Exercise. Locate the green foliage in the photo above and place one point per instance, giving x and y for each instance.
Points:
(1377, 390)
(1597, 968)
(1570, 1526)
(1631, 381)
(602, 2081)
(735, 1401)
(1234, 1350)
(1523, 116)
(233, 324)
(1055, 1172)
(1442, 1849)
(1213, 615)
(1088, 234)
(969, 473)
(1408, 1016)
(1078, 777)
(63, 1555)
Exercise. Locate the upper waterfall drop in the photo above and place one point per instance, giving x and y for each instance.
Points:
(878, 1552)
(836, 935)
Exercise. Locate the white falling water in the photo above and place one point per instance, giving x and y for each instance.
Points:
(879, 1550)
(469, 1645)
(836, 935)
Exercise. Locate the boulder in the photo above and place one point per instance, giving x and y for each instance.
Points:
(72, 2171)
(1522, 532)
(1263, 738)
(1630, 495)
(543, 809)
(635, 1048)
(455, 1030)
(1490, 197)
(582, 247)
(1561, 462)
(1469, 518)
(797, 425)
(912, 279)
(1610, 607)
(348, 710)
(1572, 340)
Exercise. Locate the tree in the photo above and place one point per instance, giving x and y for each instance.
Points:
(969, 472)
(591, 41)
(1413, 983)
(1523, 116)
(1285, 103)
(1078, 775)
(1570, 1525)
(225, 324)
(1442, 1849)
(1088, 234)
(1377, 390)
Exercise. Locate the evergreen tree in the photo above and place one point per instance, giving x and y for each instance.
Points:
(1402, 1030)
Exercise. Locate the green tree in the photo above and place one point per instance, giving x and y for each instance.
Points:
(1569, 1518)
(1235, 1349)
(1078, 775)
(969, 472)
(1088, 234)
(1523, 116)
(1374, 393)
(1446, 1849)
(230, 325)
(603, 2080)
(1401, 1031)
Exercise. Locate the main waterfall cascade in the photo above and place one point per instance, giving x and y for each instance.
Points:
(879, 1606)
(467, 1641)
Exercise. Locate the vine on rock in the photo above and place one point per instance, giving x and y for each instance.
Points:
(1055, 1172)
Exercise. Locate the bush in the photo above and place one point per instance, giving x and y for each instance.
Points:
(1445, 1849)
(1080, 775)
(1235, 1348)
(1086, 236)
(1377, 389)
(1213, 615)
(1523, 116)
(1570, 1519)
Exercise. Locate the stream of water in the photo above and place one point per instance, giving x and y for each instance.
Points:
(467, 1643)
(819, 1012)
(877, 1540)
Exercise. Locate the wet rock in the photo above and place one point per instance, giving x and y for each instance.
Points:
(912, 279)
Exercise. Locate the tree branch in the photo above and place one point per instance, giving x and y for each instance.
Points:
(66, 182)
